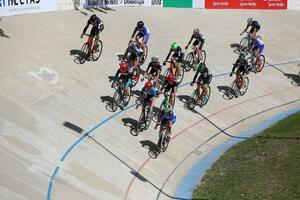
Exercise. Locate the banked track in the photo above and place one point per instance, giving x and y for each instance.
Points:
(49, 89)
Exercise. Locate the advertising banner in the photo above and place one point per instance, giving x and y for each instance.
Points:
(15, 7)
(246, 4)
(133, 2)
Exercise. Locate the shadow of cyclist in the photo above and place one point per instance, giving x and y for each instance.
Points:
(2, 34)
(294, 77)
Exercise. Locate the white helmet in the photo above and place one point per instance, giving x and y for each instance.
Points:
(249, 20)
(196, 30)
(154, 59)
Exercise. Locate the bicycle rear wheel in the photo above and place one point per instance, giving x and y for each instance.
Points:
(190, 61)
(97, 51)
(244, 89)
(126, 102)
(205, 99)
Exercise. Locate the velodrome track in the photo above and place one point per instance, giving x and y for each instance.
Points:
(42, 88)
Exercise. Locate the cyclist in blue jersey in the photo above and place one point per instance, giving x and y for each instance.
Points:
(141, 34)
(166, 118)
(257, 46)
(147, 94)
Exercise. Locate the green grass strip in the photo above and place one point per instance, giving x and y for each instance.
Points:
(266, 166)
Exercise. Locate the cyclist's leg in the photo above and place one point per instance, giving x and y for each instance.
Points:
(127, 85)
(204, 90)
(198, 87)
(260, 51)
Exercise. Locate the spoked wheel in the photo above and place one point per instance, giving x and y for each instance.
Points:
(244, 89)
(202, 56)
(165, 139)
(193, 100)
(136, 76)
(126, 98)
(244, 44)
(149, 115)
(189, 61)
(205, 99)
(115, 101)
(181, 72)
(232, 90)
(263, 61)
(140, 123)
(84, 52)
(145, 54)
(97, 51)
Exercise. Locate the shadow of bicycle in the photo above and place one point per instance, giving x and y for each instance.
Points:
(80, 56)
(295, 78)
(227, 92)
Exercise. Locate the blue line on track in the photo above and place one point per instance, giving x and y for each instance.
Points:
(69, 150)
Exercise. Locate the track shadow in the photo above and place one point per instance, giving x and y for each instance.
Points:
(236, 47)
(79, 55)
(138, 176)
(73, 127)
(108, 101)
(149, 145)
(129, 122)
(294, 77)
(2, 34)
(110, 78)
(226, 90)
(185, 99)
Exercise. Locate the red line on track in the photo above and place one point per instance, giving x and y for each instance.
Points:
(190, 126)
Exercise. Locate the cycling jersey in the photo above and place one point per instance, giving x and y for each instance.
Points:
(152, 92)
(133, 52)
(258, 44)
(171, 116)
(177, 54)
(126, 77)
(241, 65)
(155, 67)
(144, 33)
(98, 26)
(204, 77)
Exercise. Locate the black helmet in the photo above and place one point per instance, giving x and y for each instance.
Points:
(140, 24)
(93, 18)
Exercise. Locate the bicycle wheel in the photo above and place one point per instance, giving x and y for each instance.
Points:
(97, 51)
(181, 72)
(140, 122)
(262, 57)
(115, 101)
(193, 100)
(205, 99)
(164, 140)
(166, 73)
(202, 56)
(145, 54)
(149, 115)
(244, 89)
(84, 52)
(136, 76)
(244, 44)
(190, 61)
(126, 98)
(232, 90)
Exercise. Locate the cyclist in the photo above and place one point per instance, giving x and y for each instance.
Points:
(257, 47)
(154, 69)
(166, 119)
(141, 34)
(203, 81)
(255, 26)
(124, 75)
(177, 56)
(147, 94)
(133, 54)
(170, 84)
(97, 28)
(198, 43)
(242, 68)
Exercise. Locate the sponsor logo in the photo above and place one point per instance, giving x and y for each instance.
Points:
(155, 2)
(133, 1)
(18, 2)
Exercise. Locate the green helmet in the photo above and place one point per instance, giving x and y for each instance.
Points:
(174, 45)
(167, 107)
(201, 66)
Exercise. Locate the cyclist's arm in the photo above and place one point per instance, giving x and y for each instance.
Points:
(190, 41)
(116, 75)
(168, 56)
(148, 68)
(246, 28)
(134, 32)
(195, 76)
(86, 26)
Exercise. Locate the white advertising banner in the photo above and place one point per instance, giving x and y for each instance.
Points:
(15, 7)
(133, 2)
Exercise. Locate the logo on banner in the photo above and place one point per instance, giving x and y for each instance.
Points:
(155, 2)
(134, 2)
(20, 2)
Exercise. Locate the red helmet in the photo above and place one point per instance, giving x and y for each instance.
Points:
(171, 77)
(123, 66)
(148, 85)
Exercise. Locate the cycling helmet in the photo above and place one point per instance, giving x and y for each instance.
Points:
(123, 66)
(249, 20)
(167, 107)
(196, 31)
(201, 66)
(93, 18)
(171, 77)
(140, 24)
(148, 85)
(174, 45)
(154, 59)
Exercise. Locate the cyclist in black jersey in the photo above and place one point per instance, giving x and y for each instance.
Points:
(198, 43)
(255, 26)
(177, 56)
(242, 67)
(154, 68)
(203, 80)
(97, 28)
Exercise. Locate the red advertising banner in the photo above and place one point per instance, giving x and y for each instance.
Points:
(246, 4)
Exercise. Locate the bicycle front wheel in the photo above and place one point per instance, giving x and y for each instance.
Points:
(97, 51)
(165, 140)
(244, 44)
(244, 89)
(145, 54)
(205, 99)
(136, 76)
(180, 74)
(193, 100)
(190, 61)
(115, 101)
